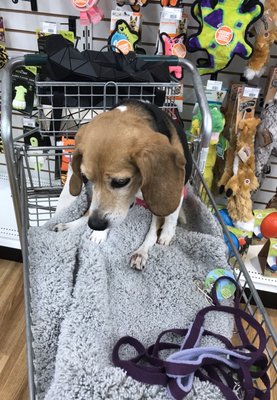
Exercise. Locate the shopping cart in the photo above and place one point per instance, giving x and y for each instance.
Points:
(35, 171)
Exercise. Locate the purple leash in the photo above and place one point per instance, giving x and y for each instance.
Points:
(214, 364)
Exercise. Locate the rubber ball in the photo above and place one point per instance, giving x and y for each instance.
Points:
(269, 226)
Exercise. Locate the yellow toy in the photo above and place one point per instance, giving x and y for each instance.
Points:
(218, 122)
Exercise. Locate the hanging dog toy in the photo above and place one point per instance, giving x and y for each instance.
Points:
(174, 46)
(90, 13)
(169, 3)
(222, 31)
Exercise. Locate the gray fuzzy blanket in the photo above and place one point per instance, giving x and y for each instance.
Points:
(85, 297)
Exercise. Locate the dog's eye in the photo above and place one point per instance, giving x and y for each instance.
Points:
(119, 183)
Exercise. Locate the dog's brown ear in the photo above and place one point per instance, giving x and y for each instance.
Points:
(75, 183)
(163, 173)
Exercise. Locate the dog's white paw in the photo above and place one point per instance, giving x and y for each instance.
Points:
(138, 260)
(61, 227)
(99, 236)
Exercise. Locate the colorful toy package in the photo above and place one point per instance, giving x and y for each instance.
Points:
(268, 258)
(125, 30)
(244, 238)
(172, 36)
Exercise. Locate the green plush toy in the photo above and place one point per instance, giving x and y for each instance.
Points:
(223, 25)
(218, 122)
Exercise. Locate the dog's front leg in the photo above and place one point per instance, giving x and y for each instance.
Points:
(99, 236)
(140, 256)
(169, 226)
(71, 225)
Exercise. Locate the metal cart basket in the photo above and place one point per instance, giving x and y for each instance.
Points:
(34, 171)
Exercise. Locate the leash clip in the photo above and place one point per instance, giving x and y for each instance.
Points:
(237, 389)
(208, 298)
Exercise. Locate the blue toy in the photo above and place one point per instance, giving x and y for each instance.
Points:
(273, 267)
(235, 242)
(224, 288)
(226, 217)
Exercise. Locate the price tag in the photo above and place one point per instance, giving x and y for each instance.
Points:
(214, 85)
(49, 27)
(251, 92)
(172, 14)
(31, 122)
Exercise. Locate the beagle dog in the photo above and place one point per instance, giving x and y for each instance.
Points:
(132, 151)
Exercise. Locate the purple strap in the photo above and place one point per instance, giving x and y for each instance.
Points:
(213, 364)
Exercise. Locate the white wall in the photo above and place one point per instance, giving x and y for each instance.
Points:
(21, 23)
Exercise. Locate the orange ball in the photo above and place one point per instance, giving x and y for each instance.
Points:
(269, 226)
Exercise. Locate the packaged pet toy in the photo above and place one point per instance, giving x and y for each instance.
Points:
(238, 179)
(169, 3)
(90, 13)
(268, 258)
(133, 19)
(174, 46)
(266, 140)
(265, 36)
(223, 26)
(134, 4)
(123, 38)
(172, 36)
(218, 122)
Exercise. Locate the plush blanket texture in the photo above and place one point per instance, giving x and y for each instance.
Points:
(85, 297)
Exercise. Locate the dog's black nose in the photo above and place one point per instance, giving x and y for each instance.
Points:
(97, 222)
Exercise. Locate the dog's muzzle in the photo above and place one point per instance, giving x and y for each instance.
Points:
(97, 222)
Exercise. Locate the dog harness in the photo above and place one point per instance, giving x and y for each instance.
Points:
(231, 368)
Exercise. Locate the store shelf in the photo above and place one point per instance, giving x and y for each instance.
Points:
(8, 229)
(260, 281)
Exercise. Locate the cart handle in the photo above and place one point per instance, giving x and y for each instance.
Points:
(35, 59)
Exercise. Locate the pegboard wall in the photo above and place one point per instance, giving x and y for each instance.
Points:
(21, 24)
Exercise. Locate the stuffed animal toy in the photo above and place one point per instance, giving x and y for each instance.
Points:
(266, 139)
(228, 167)
(223, 25)
(243, 182)
(174, 46)
(90, 13)
(123, 37)
(266, 35)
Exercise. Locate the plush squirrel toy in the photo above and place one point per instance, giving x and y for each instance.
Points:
(240, 169)
(266, 139)
(266, 35)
